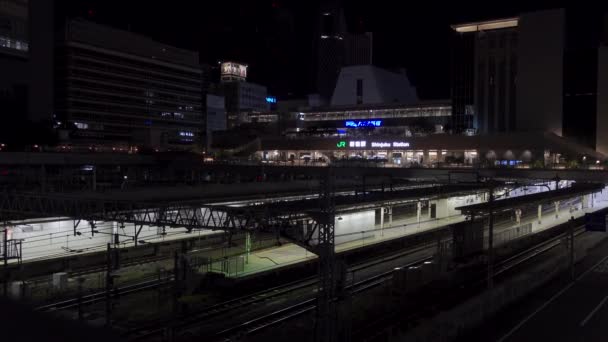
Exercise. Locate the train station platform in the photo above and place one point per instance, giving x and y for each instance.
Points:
(291, 254)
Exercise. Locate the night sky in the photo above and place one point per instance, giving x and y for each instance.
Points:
(275, 37)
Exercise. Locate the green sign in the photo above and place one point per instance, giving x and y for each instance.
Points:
(341, 144)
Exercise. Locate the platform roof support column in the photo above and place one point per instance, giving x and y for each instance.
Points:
(491, 239)
(540, 213)
(247, 246)
(382, 221)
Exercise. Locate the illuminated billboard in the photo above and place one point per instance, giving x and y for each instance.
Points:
(235, 70)
(362, 123)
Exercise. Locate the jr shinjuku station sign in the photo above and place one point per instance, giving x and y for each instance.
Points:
(372, 144)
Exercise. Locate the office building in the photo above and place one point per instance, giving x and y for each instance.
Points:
(215, 116)
(216, 113)
(539, 71)
(121, 89)
(337, 47)
(26, 64)
(243, 98)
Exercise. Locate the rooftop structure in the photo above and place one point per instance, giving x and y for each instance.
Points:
(486, 25)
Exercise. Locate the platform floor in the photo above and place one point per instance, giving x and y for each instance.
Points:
(287, 254)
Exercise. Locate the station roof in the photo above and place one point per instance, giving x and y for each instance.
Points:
(371, 199)
(576, 189)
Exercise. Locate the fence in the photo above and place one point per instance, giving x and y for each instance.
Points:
(512, 234)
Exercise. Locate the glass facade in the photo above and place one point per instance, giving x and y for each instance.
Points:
(379, 113)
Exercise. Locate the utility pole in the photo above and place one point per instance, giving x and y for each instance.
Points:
(109, 285)
(326, 315)
(5, 247)
(491, 236)
(80, 309)
(5, 257)
(572, 247)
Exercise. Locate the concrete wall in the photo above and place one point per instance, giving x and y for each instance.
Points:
(350, 226)
(601, 138)
(379, 86)
(540, 71)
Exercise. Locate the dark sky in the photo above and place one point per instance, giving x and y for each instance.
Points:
(275, 36)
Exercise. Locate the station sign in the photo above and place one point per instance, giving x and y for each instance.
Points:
(362, 123)
(389, 144)
(372, 144)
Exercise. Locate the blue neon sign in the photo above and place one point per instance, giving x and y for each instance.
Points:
(362, 123)
(271, 99)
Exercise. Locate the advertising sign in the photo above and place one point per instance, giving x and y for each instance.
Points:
(362, 123)
(234, 69)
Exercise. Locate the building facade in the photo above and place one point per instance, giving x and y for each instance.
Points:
(26, 63)
(367, 84)
(539, 71)
(483, 75)
(337, 47)
(370, 120)
(523, 149)
(119, 89)
(243, 98)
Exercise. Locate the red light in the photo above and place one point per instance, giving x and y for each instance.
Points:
(91, 13)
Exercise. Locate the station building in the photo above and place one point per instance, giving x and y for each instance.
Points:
(402, 133)
(432, 150)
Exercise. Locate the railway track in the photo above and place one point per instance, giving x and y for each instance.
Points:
(306, 306)
(192, 319)
(102, 295)
(282, 315)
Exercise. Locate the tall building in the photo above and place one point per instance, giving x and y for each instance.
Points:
(243, 98)
(483, 76)
(26, 63)
(118, 88)
(539, 71)
(215, 116)
(337, 47)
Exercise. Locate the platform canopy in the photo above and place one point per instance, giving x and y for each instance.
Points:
(577, 189)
